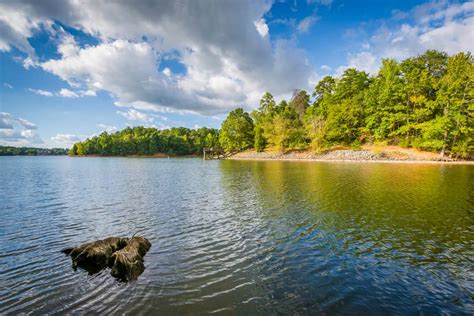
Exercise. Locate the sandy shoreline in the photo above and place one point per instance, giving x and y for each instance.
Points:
(389, 154)
(458, 162)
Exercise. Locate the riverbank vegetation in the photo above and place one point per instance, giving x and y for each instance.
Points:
(31, 151)
(424, 102)
(148, 141)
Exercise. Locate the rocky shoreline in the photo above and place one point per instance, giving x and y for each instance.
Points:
(347, 155)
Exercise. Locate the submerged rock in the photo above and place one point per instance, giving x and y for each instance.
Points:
(123, 255)
(127, 263)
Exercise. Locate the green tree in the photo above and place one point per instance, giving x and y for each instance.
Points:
(452, 130)
(237, 131)
(300, 102)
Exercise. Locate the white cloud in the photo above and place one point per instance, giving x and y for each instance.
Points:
(439, 25)
(167, 72)
(29, 62)
(66, 138)
(13, 137)
(107, 128)
(66, 93)
(26, 124)
(15, 131)
(88, 93)
(6, 119)
(325, 68)
(306, 24)
(365, 61)
(435, 25)
(42, 92)
(262, 27)
(16, 26)
(221, 72)
(134, 115)
(7, 85)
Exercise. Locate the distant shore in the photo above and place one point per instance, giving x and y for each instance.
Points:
(156, 155)
(370, 154)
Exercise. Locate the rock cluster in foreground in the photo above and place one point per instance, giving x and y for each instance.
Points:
(123, 255)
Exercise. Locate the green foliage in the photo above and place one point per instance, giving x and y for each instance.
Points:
(237, 131)
(31, 151)
(300, 102)
(426, 102)
(148, 141)
(260, 141)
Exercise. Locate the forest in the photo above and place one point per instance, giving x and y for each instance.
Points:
(424, 102)
(147, 141)
(31, 151)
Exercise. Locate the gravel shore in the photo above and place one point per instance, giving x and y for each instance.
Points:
(404, 155)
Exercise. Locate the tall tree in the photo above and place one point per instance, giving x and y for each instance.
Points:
(237, 131)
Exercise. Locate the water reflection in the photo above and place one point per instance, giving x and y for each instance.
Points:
(239, 236)
(378, 230)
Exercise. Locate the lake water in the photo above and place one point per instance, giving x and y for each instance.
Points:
(239, 236)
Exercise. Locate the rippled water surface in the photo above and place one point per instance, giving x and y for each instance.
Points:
(239, 236)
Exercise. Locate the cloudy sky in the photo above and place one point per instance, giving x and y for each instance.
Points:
(71, 69)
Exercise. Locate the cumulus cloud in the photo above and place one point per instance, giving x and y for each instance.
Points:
(224, 46)
(107, 128)
(306, 24)
(262, 27)
(439, 25)
(26, 124)
(362, 61)
(16, 26)
(42, 92)
(134, 115)
(7, 119)
(325, 68)
(7, 85)
(4, 121)
(434, 25)
(67, 93)
(66, 138)
(16, 131)
(167, 72)
(88, 93)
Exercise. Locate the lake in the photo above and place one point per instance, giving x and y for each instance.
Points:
(239, 237)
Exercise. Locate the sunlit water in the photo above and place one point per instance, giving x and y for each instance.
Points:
(239, 237)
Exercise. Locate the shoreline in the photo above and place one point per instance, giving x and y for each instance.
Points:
(157, 156)
(368, 154)
(435, 162)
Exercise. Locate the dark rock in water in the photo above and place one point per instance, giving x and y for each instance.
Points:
(123, 255)
(127, 263)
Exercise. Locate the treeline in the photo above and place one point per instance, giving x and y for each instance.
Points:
(148, 141)
(425, 102)
(31, 151)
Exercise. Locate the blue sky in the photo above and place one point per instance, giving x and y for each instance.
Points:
(70, 70)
